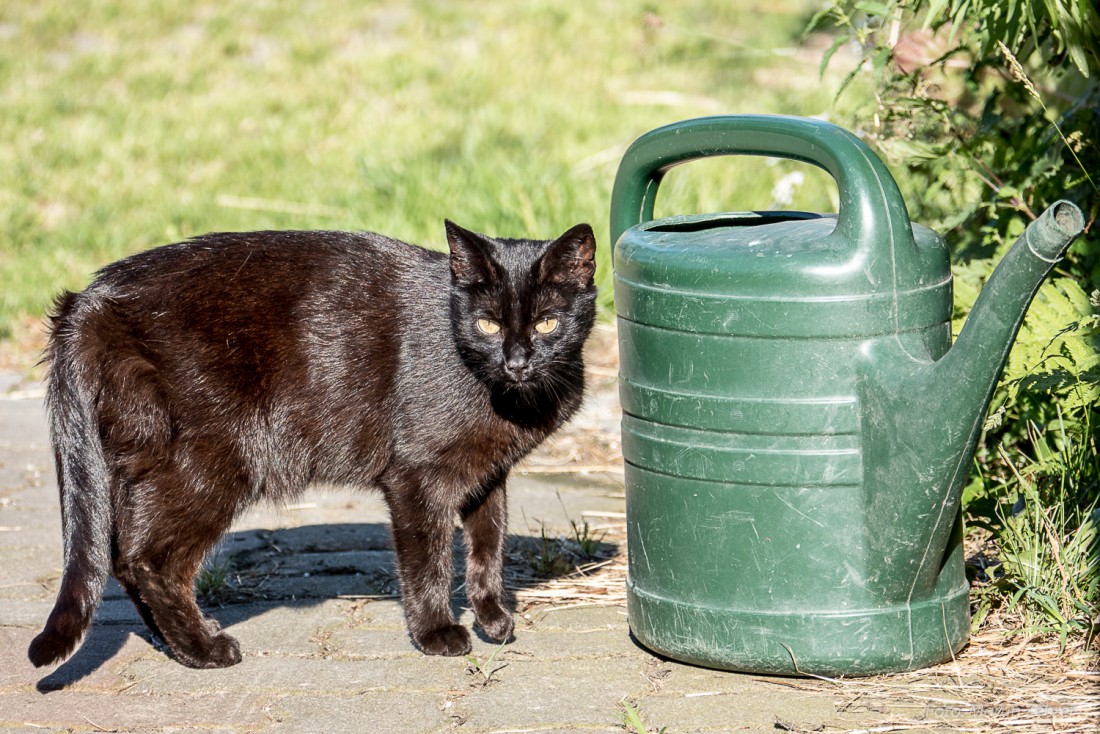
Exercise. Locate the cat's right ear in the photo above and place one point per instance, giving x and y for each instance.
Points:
(470, 263)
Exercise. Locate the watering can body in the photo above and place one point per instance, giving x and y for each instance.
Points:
(796, 427)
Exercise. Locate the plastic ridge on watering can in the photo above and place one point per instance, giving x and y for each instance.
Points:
(797, 426)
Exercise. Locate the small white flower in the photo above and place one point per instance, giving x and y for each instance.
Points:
(783, 191)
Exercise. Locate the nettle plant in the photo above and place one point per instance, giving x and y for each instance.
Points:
(988, 111)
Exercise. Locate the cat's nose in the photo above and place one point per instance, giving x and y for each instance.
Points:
(515, 364)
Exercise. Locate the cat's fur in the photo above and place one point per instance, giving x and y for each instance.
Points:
(191, 380)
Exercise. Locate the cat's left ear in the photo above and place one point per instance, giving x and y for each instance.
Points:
(571, 258)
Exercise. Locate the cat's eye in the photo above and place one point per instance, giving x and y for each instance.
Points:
(488, 326)
(546, 325)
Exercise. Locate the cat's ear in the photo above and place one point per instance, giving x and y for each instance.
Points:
(571, 258)
(470, 261)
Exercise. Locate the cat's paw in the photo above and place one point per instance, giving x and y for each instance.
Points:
(222, 652)
(451, 641)
(226, 651)
(496, 623)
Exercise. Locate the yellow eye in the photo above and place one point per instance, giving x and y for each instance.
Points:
(546, 326)
(488, 326)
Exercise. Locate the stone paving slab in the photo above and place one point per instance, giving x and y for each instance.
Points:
(381, 711)
(83, 711)
(310, 593)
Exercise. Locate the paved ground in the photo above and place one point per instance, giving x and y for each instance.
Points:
(309, 593)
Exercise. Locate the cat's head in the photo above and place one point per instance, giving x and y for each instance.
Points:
(522, 309)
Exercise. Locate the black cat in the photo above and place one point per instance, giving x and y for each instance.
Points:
(191, 380)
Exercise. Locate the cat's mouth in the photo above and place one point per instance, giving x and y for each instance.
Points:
(523, 382)
(523, 379)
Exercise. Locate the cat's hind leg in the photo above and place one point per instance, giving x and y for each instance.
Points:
(157, 563)
(126, 579)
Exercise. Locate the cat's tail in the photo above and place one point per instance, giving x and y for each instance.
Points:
(83, 482)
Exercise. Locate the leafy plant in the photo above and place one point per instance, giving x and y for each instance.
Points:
(988, 111)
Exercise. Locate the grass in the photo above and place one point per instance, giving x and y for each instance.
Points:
(1036, 523)
(550, 557)
(588, 541)
(554, 556)
(128, 125)
(631, 719)
(212, 581)
(1049, 542)
(485, 670)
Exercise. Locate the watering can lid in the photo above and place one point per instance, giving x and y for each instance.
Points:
(768, 254)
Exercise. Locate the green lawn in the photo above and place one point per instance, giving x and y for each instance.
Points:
(127, 125)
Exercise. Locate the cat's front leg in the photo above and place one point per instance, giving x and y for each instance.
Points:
(423, 537)
(485, 522)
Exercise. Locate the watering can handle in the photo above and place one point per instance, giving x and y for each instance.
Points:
(872, 213)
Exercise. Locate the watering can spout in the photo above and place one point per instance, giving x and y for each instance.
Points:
(941, 405)
(982, 348)
(968, 373)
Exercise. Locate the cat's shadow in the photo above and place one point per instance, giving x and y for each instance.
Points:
(255, 571)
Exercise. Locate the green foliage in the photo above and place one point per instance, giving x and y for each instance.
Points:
(1047, 526)
(989, 111)
(1065, 365)
(1051, 561)
(1068, 27)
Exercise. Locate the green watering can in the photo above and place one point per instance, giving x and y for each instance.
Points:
(797, 426)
